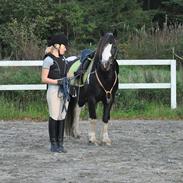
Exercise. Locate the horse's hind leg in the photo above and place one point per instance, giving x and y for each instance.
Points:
(76, 130)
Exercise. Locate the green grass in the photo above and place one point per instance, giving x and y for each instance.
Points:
(151, 111)
(23, 105)
(137, 109)
(129, 104)
(146, 110)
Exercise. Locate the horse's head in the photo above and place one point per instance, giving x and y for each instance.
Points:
(107, 50)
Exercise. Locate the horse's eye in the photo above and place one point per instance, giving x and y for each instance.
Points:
(113, 49)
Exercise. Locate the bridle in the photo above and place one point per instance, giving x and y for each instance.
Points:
(107, 92)
(114, 52)
(113, 57)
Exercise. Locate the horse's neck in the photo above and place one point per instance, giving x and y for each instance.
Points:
(95, 64)
(106, 75)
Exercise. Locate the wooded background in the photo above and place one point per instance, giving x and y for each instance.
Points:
(25, 25)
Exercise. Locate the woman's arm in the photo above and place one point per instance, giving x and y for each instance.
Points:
(45, 79)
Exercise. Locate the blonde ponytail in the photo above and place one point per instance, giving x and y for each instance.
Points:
(49, 50)
(57, 46)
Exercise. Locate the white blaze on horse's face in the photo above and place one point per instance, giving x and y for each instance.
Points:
(106, 54)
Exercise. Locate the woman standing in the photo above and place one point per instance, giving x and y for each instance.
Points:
(54, 71)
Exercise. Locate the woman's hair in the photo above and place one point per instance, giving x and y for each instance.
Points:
(50, 49)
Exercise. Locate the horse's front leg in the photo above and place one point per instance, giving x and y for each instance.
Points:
(106, 116)
(92, 124)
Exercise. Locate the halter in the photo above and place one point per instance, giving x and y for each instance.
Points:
(107, 92)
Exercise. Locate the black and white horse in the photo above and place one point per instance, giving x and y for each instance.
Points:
(101, 86)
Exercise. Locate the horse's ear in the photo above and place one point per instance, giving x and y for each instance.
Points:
(115, 33)
(102, 33)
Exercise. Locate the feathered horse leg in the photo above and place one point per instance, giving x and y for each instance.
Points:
(104, 135)
(76, 130)
(92, 132)
(106, 117)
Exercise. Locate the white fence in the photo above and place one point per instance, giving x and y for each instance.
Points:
(171, 85)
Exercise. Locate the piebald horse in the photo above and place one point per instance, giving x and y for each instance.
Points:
(100, 86)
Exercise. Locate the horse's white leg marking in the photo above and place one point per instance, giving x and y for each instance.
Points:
(76, 131)
(105, 137)
(91, 131)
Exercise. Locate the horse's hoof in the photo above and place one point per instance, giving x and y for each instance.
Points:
(92, 143)
(77, 136)
(108, 143)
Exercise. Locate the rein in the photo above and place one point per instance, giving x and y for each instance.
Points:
(107, 92)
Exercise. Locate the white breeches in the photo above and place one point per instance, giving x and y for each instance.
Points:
(55, 101)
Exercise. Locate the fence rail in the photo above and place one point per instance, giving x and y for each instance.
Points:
(171, 85)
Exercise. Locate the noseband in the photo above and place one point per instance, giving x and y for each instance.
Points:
(113, 57)
(108, 93)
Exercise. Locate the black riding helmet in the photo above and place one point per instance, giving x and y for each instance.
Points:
(58, 39)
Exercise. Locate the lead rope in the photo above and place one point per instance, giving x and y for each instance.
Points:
(65, 87)
(107, 92)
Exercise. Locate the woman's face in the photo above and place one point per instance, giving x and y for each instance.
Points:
(62, 49)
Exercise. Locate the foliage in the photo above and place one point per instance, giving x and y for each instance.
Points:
(159, 44)
(27, 24)
(81, 21)
(72, 21)
(23, 28)
(169, 13)
(34, 11)
(21, 105)
(20, 40)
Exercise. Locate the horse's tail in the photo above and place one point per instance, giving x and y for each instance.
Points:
(69, 120)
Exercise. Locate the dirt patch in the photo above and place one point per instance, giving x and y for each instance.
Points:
(141, 152)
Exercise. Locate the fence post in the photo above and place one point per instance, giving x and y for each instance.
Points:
(173, 84)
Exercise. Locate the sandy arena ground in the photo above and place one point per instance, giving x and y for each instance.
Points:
(142, 151)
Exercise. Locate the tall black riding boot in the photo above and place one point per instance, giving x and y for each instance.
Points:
(52, 134)
(60, 136)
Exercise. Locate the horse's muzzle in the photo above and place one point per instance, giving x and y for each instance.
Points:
(105, 66)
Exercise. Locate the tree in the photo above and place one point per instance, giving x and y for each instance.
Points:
(174, 10)
(21, 23)
(150, 4)
(169, 13)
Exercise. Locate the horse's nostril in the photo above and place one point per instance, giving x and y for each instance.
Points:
(105, 65)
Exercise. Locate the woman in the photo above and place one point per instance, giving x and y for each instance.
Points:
(54, 72)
